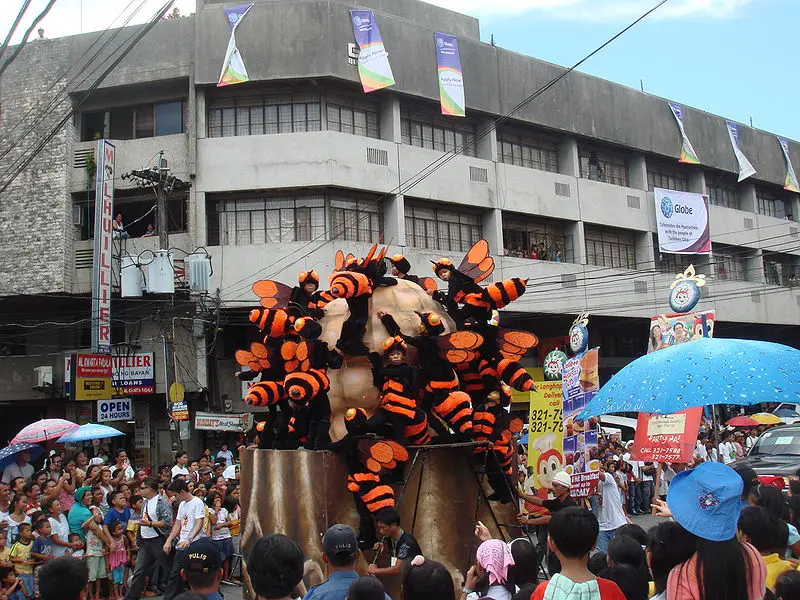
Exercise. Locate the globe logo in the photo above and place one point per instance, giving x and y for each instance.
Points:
(439, 42)
(666, 207)
(357, 20)
(233, 18)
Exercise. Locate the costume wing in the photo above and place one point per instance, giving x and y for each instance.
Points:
(477, 263)
(273, 294)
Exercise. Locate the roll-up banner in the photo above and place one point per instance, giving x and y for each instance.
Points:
(373, 60)
(791, 183)
(688, 155)
(233, 69)
(451, 78)
(746, 169)
(682, 222)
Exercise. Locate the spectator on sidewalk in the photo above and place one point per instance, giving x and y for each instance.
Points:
(154, 528)
(188, 527)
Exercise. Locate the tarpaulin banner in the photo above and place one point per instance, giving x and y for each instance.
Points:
(545, 438)
(580, 383)
(746, 169)
(688, 155)
(207, 421)
(670, 329)
(233, 69)
(451, 78)
(131, 375)
(666, 438)
(791, 184)
(373, 60)
(682, 221)
(91, 377)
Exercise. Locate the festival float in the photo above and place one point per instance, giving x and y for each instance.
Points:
(385, 391)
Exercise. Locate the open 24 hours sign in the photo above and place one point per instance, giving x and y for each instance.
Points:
(132, 375)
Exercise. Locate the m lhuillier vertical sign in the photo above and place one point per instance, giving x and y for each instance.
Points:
(101, 263)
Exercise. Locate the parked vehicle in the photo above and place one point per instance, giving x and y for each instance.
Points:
(775, 456)
(788, 413)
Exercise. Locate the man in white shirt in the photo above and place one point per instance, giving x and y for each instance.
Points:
(727, 449)
(180, 466)
(611, 516)
(226, 454)
(189, 526)
(20, 468)
(700, 452)
(750, 440)
(647, 472)
(153, 530)
(121, 462)
(635, 486)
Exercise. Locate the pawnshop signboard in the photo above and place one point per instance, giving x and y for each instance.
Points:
(132, 375)
(101, 264)
(92, 376)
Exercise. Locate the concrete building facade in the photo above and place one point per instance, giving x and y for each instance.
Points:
(299, 162)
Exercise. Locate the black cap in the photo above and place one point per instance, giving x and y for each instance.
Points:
(202, 556)
(341, 541)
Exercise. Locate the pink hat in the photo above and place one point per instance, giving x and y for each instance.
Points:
(495, 557)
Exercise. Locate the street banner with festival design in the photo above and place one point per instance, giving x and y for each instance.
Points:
(746, 169)
(791, 184)
(233, 69)
(688, 155)
(451, 78)
(373, 60)
(682, 222)
(545, 439)
(580, 383)
(670, 329)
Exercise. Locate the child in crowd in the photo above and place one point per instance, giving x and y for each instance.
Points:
(770, 536)
(571, 535)
(21, 558)
(669, 545)
(118, 558)
(74, 552)
(11, 585)
(96, 543)
(41, 550)
(5, 551)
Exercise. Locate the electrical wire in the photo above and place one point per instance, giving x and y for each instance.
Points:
(14, 26)
(28, 32)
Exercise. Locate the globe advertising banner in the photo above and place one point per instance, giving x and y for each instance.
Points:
(373, 60)
(682, 220)
(451, 78)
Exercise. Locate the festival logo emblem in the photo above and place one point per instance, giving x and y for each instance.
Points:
(579, 334)
(553, 365)
(685, 292)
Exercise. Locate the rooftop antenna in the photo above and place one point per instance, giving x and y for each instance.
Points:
(641, 84)
(491, 39)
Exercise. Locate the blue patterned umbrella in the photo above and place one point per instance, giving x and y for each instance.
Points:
(701, 373)
(9, 454)
(90, 431)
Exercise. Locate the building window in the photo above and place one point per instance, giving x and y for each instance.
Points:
(781, 270)
(538, 239)
(524, 148)
(134, 122)
(722, 190)
(12, 340)
(137, 212)
(427, 130)
(356, 220)
(730, 264)
(352, 115)
(665, 176)
(269, 218)
(257, 115)
(672, 264)
(610, 248)
(445, 229)
(770, 202)
(603, 165)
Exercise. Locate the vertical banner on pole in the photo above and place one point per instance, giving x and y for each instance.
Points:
(580, 383)
(746, 169)
(101, 262)
(545, 439)
(373, 60)
(688, 155)
(791, 184)
(451, 78)
(233, 69)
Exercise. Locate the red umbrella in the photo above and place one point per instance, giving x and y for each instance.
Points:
(44, 430)
(743, 421)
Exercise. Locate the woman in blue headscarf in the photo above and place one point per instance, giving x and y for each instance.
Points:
(80, 513)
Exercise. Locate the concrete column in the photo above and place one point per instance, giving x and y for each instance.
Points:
(493, 230)
(568, 160)
(394, 221)
(576, 231)
(697, 180)
(198, 223)
(390, 119)
(645, 250)
(747, 196)
(196, 118)
(754, 267)
(637, 172)
(486, 147)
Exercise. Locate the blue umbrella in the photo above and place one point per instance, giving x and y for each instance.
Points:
(700, 373)
(523, 439)
(90, 431)
(9, 454)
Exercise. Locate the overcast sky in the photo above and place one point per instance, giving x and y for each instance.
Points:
(734, 58)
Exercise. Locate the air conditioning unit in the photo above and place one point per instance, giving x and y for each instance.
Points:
(43, 376)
